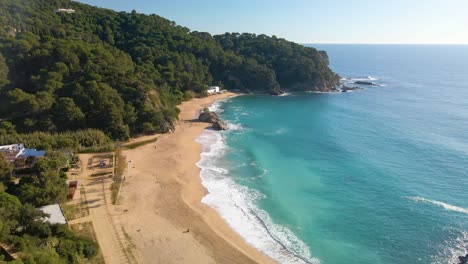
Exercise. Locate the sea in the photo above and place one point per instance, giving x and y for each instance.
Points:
(378, 175)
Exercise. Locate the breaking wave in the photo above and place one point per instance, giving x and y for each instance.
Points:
(441, 204)
(237, 206)
(368, 78)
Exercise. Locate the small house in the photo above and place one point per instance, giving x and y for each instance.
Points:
(17, 151)
(213, 90)
(12, 151)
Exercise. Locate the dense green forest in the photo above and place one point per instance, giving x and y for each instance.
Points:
(20, 223)
(124, 73)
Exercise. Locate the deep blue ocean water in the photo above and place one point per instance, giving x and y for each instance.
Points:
(372, 176)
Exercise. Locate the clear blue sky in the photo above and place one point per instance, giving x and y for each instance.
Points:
(316, 21)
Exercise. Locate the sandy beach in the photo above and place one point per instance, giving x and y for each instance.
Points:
(160, 207)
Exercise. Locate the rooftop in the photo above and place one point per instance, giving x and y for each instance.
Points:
(65, 10)
(55, 214)
(15, 151)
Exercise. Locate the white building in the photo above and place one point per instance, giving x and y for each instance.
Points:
(18, 151)
(55, 213)
(65, 10)
(13, 148)
(213, 90)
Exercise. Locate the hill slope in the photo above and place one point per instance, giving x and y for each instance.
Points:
(124, 73)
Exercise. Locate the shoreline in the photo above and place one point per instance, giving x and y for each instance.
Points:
(237, 204)
(162, 199)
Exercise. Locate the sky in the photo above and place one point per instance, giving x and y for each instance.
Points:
(316, 21)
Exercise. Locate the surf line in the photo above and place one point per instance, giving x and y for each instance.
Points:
(279, 241)
(441, 204)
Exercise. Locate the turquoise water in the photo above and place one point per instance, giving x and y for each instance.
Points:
(371, 176)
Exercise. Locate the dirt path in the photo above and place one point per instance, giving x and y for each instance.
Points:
(109, 235)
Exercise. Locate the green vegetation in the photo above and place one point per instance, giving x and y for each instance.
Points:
(139, 143)
(86, 230)
(75, 211)
(124, 73)
(21, 225)
(296, 67)
(87, 140)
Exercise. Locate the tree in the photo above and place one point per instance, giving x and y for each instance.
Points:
(45, 186)
(3, 72)
(7, 128)
(23, 102)
(10, 208)
(28, 216)
(44, 257)
(69, 116)
(5, 170)
(45, 100)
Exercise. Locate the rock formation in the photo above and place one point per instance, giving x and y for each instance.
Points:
(211, 117)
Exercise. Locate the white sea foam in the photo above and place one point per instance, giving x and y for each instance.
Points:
(453, 249)
(368, 78)
(441, 204)
(318, 92)
(216, 106)
(236, 204)
(279, 131)
(285, 94)
(234, 127)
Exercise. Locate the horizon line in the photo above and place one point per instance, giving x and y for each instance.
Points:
(428, 44)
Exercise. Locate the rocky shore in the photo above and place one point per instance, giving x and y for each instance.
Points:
(211, 117)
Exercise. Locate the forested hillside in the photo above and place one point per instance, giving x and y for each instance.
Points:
(22, 225)
(124, 73)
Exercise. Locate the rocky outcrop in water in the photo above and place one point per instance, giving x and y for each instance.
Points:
(219, 125)
(346, 88)
(211, 117)
(365, 83)
(463, 259)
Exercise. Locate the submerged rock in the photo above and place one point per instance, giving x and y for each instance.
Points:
(345, 88)
(365, 83)
(463, 259)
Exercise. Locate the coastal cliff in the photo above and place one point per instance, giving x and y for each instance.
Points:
(283, 65)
